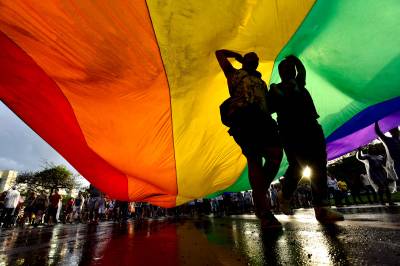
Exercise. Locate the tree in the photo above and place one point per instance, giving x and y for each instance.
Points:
(50, 178)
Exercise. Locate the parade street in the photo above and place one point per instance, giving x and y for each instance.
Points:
(369, 235)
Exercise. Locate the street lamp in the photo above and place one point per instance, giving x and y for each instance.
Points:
(307, 172)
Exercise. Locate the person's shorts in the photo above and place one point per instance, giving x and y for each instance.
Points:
(255, 134)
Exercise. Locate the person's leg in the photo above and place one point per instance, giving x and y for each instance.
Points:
(374, 195)
(289, 183)
(9, 217)
(96, 209)
(358, 195)
(3, 215)
(258, 184)
(369, 189)
(331, 194)
(273, 157)
(354, 196)
(317, 162)
(291, 176)
(50, 216)
(91, 209)
(367, 193)
(346, 197)
(316, 158)
(380, 194)
(53, 215)
(388, 195)
(338, 198)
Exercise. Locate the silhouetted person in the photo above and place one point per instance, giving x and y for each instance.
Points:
(392, 144)
(302, 137)
(10, 205)
(252, 127)
(378, 174)
(355, 189)
(54, 199)
(93, 204)
(342, 185)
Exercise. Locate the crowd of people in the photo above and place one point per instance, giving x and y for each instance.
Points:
(92, 206)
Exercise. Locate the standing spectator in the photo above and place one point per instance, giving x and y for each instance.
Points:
(77, 207)
(29, 207)
(93, 204)
(10, 203)
(40, 204)
(221, 205)
(102, 207)
(53, 207)
(59, 207)
(355, 188)
(274, 197)
(69, 210)
(123, 211)
(2, 199)
(369, 187)
(248, 201)
(342, 185)
(110, 210)
(138, 211)
(333, 189)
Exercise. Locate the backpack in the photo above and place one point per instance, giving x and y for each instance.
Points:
(247, 91)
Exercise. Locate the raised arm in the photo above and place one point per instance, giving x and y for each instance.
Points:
(379, 131)
(361, 156)
(301, 71)
(222, 57)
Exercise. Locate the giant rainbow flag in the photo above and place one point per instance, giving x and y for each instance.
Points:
(128, 91)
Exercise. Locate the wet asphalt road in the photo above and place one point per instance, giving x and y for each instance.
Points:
(369, 236)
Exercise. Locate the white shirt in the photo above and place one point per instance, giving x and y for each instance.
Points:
(12, 199)
(332, 183)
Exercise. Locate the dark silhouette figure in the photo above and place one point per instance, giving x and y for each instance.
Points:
(393, 145)
(247, 114)
(302, 137)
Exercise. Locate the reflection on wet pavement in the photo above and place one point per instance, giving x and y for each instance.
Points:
(367, 236)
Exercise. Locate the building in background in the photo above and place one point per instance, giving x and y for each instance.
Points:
(7, 179)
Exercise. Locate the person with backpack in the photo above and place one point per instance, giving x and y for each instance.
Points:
(247, 115)
(302, 138)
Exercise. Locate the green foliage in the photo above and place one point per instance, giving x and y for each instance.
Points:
(49, 178)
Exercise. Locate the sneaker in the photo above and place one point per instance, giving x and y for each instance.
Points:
(284, 204)
(269, 222)
(327, 215)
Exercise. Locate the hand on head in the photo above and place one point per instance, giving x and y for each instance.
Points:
(239, 58)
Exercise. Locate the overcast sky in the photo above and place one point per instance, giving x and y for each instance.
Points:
(22, 149)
